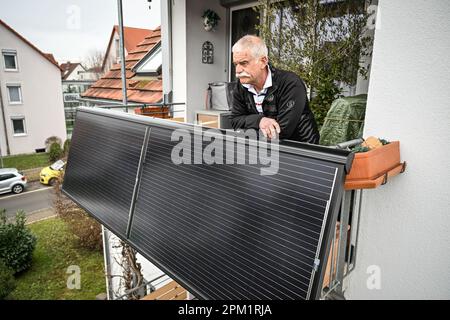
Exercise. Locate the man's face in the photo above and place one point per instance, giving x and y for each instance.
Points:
(248, 68)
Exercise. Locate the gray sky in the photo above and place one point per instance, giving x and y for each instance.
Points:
(70, 29)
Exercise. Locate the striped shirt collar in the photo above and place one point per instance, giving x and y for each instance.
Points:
(266, 86)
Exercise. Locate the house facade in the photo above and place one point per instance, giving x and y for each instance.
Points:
(132, 37)
(142, 87)
(402, 235)
(31, 99)
(75, 81)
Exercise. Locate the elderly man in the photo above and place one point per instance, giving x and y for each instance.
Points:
(267, 99)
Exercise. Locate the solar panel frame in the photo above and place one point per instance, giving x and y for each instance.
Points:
(341, 159)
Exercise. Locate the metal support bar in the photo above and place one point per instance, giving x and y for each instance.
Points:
(138, 179)
(355, 248)
(343, 231)
(122, 55)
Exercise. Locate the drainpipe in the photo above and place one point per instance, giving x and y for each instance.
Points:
(4, 128)
(122, 55)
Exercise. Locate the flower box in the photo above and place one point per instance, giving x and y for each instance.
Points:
(373, 168)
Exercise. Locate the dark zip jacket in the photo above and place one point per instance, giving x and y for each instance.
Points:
(285, 101)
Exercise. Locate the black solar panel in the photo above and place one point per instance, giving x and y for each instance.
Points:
(102, 166)
(223, 231)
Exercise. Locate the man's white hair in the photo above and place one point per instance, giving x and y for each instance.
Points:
(254, 44)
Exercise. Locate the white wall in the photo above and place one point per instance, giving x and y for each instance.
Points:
(179, 55)
(75, 75)
(41, 93)
(190, 75)
(405, 226)
(198, 73)
(112, 56)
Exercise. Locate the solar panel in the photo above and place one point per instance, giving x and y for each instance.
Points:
(102, 166)
(223, 231)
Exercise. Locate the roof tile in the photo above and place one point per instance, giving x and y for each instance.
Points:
(109, 87)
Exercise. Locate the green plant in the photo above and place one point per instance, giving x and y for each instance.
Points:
(323, 42)
(7, 281)
(210, 19)
(56, 250)
(66, 147)
(50, 140)
(360, 149)
(16, 242)
(55, 152)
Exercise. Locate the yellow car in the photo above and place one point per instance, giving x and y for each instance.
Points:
(50, 175)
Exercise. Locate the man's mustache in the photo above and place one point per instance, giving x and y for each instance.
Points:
(242, 75)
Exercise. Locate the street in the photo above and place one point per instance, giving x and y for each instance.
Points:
(34, 198)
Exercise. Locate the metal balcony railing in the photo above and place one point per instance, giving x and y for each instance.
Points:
(342, 257)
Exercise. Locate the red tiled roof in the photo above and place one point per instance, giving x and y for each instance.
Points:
(132, 37)
(47, 56)
(67, 68)
(109, 87)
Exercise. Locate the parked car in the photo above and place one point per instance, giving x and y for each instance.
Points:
(11, 180)
(51, 174)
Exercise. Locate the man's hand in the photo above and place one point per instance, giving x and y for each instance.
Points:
(269, 127)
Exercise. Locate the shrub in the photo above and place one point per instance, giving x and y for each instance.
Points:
(7, 281)
(51, 140)
(66, 147)
(55, 152)
(16, 242)
(87, 230)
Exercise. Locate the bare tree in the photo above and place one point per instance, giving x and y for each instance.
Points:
(93, 63)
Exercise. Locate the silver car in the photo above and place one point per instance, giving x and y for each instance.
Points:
(11, 180)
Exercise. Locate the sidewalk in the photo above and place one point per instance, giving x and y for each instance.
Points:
(41, 215)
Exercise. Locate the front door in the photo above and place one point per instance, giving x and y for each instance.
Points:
(243, 22)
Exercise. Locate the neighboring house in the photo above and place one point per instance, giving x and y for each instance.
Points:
(143, 73)
(31, 100)
(75, 81)
(132, 37)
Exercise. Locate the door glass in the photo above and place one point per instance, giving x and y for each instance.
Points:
(243, 22)
(6, 177)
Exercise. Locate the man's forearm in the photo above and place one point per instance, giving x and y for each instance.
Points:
(245, 121)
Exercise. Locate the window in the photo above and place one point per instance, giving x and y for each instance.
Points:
(14, 94)
(117, 50)
(19, 126)
(7, 177)
(10, 60)
(152, 64)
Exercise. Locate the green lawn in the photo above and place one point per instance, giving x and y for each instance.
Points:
(26, 161)
(55, 251)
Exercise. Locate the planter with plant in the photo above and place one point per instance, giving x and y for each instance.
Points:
(375, 161)
(210, 20)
